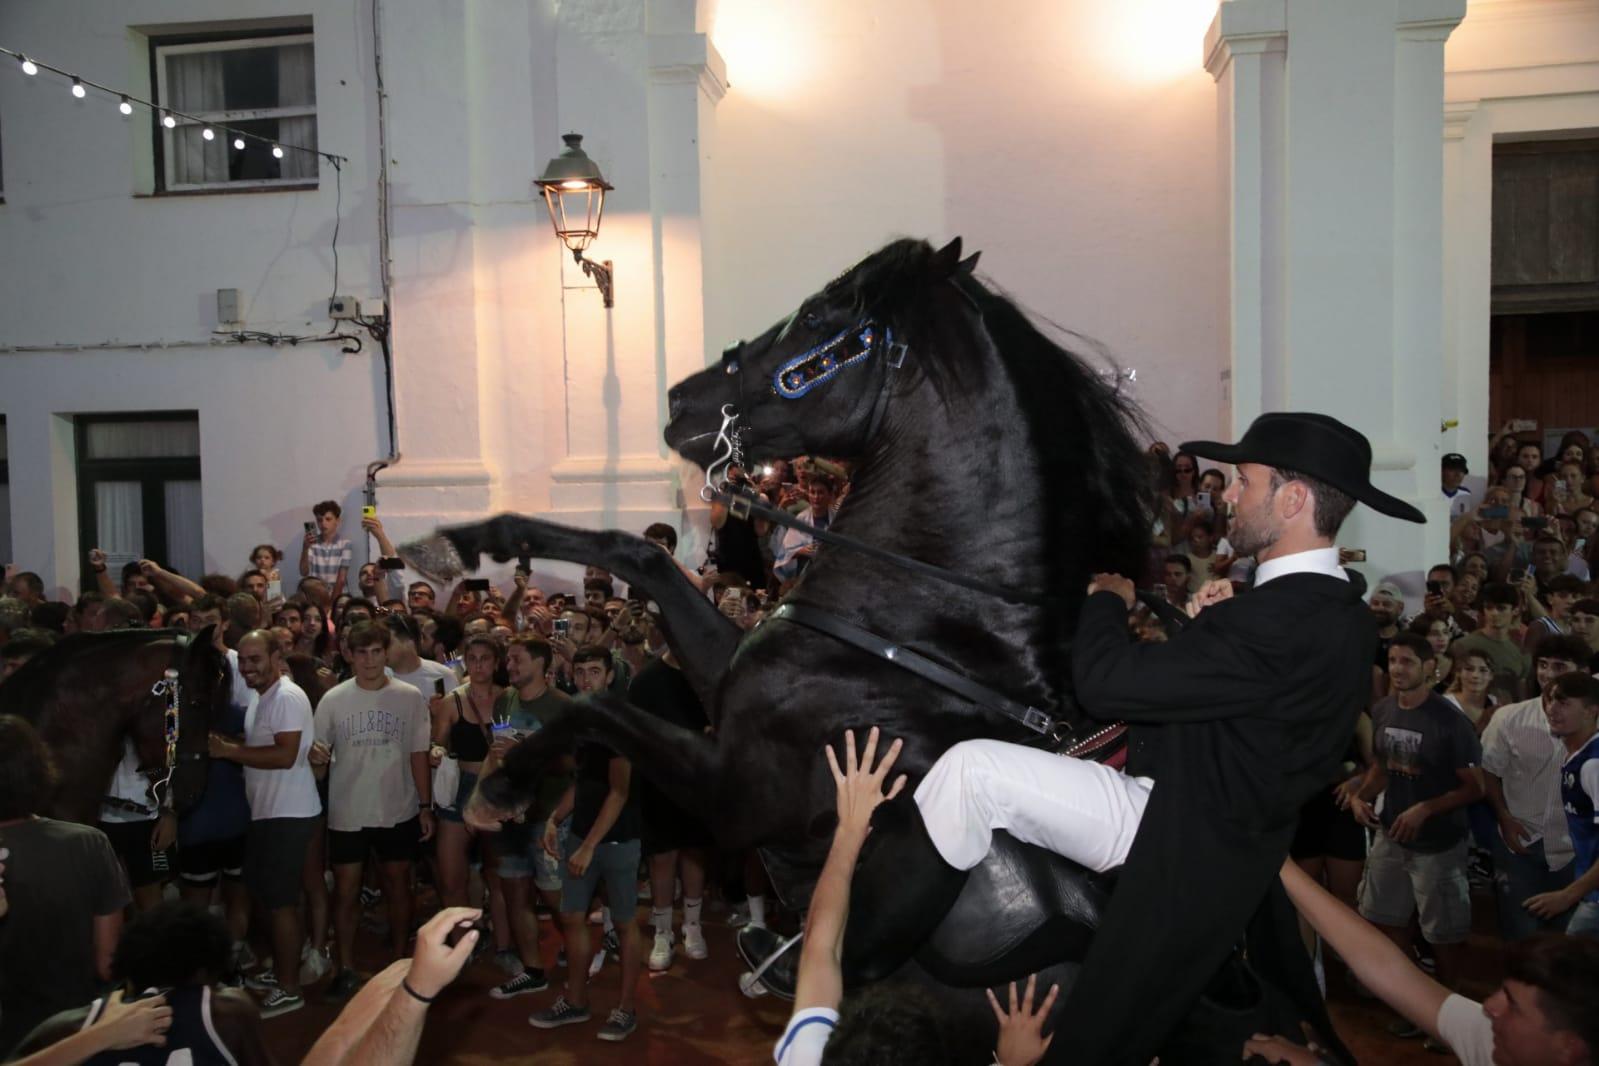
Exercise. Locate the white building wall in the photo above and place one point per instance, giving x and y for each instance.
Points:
(1072, 143)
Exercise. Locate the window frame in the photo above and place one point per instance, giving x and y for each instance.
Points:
(151, 473)
(160, 48)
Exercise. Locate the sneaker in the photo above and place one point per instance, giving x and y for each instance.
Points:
(509, 961)
(694, 942)
(346, 984)
(619, 1025)
(314, 965)
(264, 981)
(558, 1014)
(612, 944)
(243, 957)
(526, 981)
(661, 953)
(370, 896)
(739, 916)
(280, 1002)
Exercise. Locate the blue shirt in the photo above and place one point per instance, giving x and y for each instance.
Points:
(1579, 793)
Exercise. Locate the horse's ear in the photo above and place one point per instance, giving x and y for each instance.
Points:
(969, 264)
(947, 259)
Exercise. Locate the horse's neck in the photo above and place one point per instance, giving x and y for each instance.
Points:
(943, 477)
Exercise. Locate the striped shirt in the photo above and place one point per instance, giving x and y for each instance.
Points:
(327, 560)
(1518, 748)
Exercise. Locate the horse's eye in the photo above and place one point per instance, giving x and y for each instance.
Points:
(732, 366)
(812, 320)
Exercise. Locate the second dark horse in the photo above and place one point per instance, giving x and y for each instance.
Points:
(982, 447)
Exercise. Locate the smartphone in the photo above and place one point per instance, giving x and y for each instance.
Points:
(1531, 574)
(275, 590)
(1523, 425)
(310, 526)
(369, 511)
(391, 564)
(438, 686)
(1495, 512)
(476, 584)
(1560, 487)
(1536, 522)
(561, 626)
(1203, 500)
(453, 937)
(1435, 588)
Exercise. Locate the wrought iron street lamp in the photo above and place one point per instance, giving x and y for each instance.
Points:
(574, 191)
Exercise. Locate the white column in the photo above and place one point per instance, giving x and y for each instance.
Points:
(659, 81)
(1332, 124)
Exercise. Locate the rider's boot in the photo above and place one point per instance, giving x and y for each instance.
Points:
(901, 890)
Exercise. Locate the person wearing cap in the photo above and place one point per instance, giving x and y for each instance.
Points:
(1459, 497)
(1234, 723)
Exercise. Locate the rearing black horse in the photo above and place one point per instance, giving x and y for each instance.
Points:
(981, 447)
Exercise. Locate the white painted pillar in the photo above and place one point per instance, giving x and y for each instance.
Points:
(1332, 127)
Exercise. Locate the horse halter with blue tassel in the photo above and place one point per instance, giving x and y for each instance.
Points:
(823, 362)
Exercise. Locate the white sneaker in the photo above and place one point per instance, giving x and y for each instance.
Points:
(597, 962)
(661, 953)
(314, 965)
(694, 942)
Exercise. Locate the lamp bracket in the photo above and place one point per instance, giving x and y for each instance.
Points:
(600, 272)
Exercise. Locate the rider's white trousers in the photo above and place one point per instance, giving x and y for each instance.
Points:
(1082, 810)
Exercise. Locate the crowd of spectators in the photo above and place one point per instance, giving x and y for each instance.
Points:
(367, 702)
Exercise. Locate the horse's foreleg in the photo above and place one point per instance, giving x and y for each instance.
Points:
(700, 637)
(683, 763)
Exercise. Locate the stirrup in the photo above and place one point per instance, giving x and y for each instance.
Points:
(750, 982)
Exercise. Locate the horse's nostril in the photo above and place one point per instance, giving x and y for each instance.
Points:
(674, 402)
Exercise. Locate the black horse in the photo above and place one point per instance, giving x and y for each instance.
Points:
(91, 690)
(981, 447)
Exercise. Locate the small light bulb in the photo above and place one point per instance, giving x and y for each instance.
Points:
(208, 134)
(29, 67)
(238, 143)
(78, 90)
(169, 122)
(277, 152)
(125, 107)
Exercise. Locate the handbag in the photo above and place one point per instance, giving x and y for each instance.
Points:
(446, 782)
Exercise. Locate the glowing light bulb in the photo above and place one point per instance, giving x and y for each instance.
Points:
(29, 67)
(125, 107)
(208, 134)
(574, 184)
(238, 143)
(277, 152)
(169, 122)
(78, 90)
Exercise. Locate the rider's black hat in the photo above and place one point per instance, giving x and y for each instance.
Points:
(1315, 445)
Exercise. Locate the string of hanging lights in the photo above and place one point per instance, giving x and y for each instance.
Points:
(168, 117)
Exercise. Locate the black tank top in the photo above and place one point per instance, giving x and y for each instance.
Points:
(191, 1040)
(469, 740)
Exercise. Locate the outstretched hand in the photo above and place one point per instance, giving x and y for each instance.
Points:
(860, 785)
(1021, 1030)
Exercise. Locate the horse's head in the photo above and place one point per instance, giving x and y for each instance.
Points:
(816, 383)
(204, 677)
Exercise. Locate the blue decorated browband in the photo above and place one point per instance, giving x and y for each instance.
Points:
(811, 368)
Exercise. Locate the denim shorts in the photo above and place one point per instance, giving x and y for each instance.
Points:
(616, 863)
(463, 792)
(531, 860)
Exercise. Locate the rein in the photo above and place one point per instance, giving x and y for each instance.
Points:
(170, 689)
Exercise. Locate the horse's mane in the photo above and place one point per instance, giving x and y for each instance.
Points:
(1084, 430)
(31, 687)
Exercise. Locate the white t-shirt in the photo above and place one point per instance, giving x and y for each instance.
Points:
(806, 1035)
(422, 678)
(373, 733)
(1467, 1031)
(291, 793)
(127, 783)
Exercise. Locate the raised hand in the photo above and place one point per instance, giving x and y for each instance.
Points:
(860, 785)
(1021, 1029)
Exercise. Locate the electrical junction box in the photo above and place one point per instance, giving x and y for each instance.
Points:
(228, 307)
(344, 307)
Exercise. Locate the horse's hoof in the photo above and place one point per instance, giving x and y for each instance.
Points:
(434, 556)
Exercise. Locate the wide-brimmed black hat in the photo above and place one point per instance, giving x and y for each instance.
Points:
(1314, 445)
